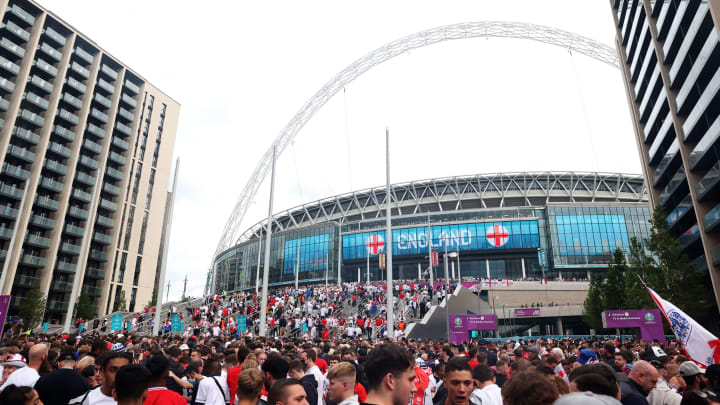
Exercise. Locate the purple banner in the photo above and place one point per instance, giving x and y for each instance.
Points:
(527, 312)
(4, 305)
(461, 325)
(649, 321)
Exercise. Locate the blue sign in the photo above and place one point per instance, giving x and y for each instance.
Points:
(80, 328)
(46, 326)
(303, 328)
(116, 322)
(520, 234)
(242, 323)
(176, 327)
(313, 254)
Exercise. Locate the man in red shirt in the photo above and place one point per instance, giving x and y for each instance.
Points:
(232, 357)
(157, 392)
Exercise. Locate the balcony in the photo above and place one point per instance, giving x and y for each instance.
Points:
(26, 281)
(38, 241)
(61, 286)
(123, 128)
(85, 178)
(4, 104)
(79, 69)
(9, 66)
(72, 100)
(114, 173)
(94, 291)
(8, 212)
(13, 48)
(3, 254)
(709, 185)
(677, 185)
(68, 116)
(74, 230)
(712, 219)
(17, 30)
(92, 146)
(84, 55)
(55, 36)
(132, 87)
(102, 100)
(47, 203)
(59, 149)
(70, 249)
(109, 88)
(21, 153)
(32, 261)
(21, 14)
(81, 195)
(105, 221)
(66, 267)
(99, 115)
(64, 133)
(697, 31)
(41, 84)
(5, 233)
(55, 167)
(112, 189)
(36, 100)
(696, 122)
(127, 100)
(98, 255)
(113, 75)
(108, 205)
(59, 306)
(95, 130)
(117, 158)
(120, 143)
(690, 236)
(50, 184)
(78, 213)
(102, 238)
(26, 135)
(88, 162)
(42, 222)
(95, 273)
(76, 84)
(31, 117)
(126, 114)
(16, 172)
(11, 191)
(45, 67)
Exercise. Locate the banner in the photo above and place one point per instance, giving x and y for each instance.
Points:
(116, 323)
(4, 305)
(45, 326)
(176, 323)
(647, 320)
(527, 312)
(461, 325)
(242, 323)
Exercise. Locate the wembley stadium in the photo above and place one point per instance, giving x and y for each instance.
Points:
(516, 226)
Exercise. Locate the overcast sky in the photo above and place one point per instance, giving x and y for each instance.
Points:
(241, 70)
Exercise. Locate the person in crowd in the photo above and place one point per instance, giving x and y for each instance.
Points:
(459, 381)
(390, 371)
(309, 357)
(173, 355)
(287, 391)
(486, 392)
(14, 395)
(233, 370)
(275, 368)
(663, 394)
(700, 397)
(28, 375)
(131, 385)
(341, 387)
(693, 376)
(529, 388)
(712, 374)
(108, 365)
(296, 370)
(158, 393)
(60, 386)
(643, 378)
(249, 387)
(501, 373)
(213, 390)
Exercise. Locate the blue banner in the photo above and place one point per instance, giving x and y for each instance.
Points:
(463, 237)
(303, 328)
(82, 326)
(46, 326)
(242, 323)
(116, 322)
(176, 327)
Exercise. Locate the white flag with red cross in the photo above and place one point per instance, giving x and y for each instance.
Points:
(375, 244)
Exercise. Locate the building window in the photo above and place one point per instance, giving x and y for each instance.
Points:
(131, 215)
(123, 263)
(133, 294)
(150, 189)
(141, 245)
(136, 276)
(136, 186)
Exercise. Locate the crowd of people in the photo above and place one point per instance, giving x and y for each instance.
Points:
(336, 359)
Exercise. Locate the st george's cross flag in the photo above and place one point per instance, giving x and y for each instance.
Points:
(701, 346)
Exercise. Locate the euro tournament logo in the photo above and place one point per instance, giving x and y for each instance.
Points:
(458, 321)
(680, 325)
(649, 317)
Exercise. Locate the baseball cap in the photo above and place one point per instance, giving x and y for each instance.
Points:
(586, 355)
(586, 398)
(533, 349)
(16, 360)
(688, 368)
(184, 347)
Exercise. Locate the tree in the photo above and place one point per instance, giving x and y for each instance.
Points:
(613, 295)
(84, 307)
(593, 302)
(120, 304)
(32, 307)
(153, 300)
(642, 267)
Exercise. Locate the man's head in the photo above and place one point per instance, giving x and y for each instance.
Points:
(692, 374)
(195, 355)
(296, 369)
(532, 352)
(308, 357)
(37, 354)
(458, 380)
(67, 360)
(274, 368)
(645, 375)
(109, 363)
(390, 370)
(501, 367)
(342, 382)
(131, 384)
(287, 391)
(623, 358)
(158, 366)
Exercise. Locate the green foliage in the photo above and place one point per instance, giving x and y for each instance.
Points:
(84, 307)
(593, 302)
(153, 300)
(120, 304)
(32, 307)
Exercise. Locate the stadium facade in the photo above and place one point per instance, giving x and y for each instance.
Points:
(509, 225)
(86, 147)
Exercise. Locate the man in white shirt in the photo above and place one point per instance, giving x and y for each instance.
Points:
(109, 363)
(213, 390)
(27, 376)
(308, 356)
(486, 392)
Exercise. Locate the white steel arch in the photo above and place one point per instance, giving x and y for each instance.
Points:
(497, 29)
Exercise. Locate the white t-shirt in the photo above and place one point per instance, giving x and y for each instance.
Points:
(209, 393)
(320, 378)
(95, 397)
(490, 395)
(22, 377)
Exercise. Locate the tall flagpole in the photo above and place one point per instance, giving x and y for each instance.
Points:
(388, 238)
(430, 259)
(268, 235)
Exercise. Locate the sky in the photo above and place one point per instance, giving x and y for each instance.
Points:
(241, 70)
